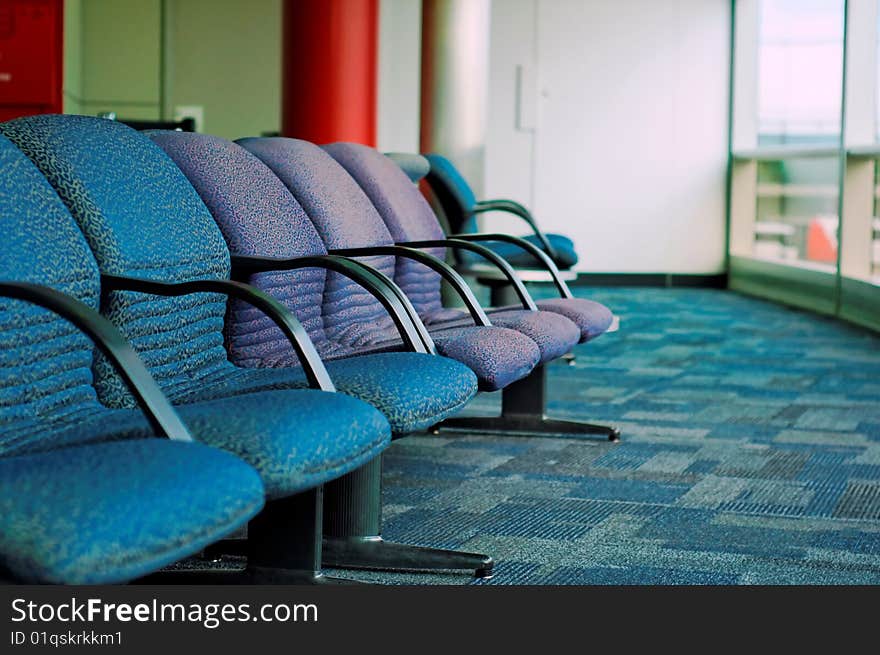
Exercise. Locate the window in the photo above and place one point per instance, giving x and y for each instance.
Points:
(804, 203)
(796, 214)
(800, 68)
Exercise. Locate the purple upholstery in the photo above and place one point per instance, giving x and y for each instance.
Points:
(592, 318)
(410, 218)
(252, 203)
(258, 216)
(393, 196)
(345, 218)
(351, 315)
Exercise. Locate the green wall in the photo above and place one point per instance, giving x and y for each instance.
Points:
(226, 57)
(144, 58)
(72, 88)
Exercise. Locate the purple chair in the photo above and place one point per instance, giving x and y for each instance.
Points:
(275, 248)
(350, 225)
(346, 221)
(412, 223)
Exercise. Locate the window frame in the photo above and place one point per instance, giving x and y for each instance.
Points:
(849, 292)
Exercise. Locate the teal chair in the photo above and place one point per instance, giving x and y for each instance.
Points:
(176, 325)
(165, 273)
(88, 494)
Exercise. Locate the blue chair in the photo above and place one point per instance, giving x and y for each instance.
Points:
(461, 208)
(176, 326)
(276, 248)
(163, 263)
(89, 495)
(412, 223)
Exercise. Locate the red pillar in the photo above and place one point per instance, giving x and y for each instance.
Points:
(329, 70)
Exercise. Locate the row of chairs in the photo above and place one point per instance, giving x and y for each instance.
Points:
(269, 306)
(459, 208)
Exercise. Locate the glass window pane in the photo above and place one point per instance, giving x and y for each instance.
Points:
(796, 218)
(877, 77)
(874, 239)
(800, 71)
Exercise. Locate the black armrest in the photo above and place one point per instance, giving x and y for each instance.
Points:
(313, 367)
(406, 319)
(445, 270)
(512, 207)
(152, 402)
(486, 253)
(529, 247)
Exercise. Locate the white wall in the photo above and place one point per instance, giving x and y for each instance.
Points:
(618, 137)
(512, 111)
(631, 139)
(400, 34)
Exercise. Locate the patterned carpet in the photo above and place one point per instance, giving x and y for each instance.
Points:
(750, 455)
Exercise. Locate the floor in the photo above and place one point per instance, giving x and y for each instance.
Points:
(750, 455)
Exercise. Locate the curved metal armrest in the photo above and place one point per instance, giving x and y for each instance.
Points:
(152, 402)
(313, 367)
(531, 248)
(409, 325)
(508, 271)
(513, 207)
(435, 263)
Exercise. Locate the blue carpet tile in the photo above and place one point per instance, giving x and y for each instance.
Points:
(750, 455)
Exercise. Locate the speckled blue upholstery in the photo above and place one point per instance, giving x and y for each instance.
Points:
(409, 218)
(566, 256)
(66, 500)
(113, 512)
(142, 217)
(132, 204)
(44, 360)
(295, 445)
(442, 171)
(345, 218)
(458, 203)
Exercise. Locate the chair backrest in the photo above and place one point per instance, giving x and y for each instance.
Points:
(142, 218)
(257, 216)
(344, 217)
(404, 211)
(453, 192)
(45, 362)
(413, 164)
(187, 124)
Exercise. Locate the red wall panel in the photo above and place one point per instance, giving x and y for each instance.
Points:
(31, 57)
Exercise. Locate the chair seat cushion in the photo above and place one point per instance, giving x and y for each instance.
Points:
(591, 317)
(554, 334)
(498, 356)
(413, 390)
(296, 438)
(285, 434)
(566, 256)
(113, 512)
